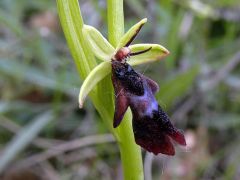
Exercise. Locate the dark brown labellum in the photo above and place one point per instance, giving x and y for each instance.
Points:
(152, 127)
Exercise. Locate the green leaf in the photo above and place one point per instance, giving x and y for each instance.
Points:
(96, 75)
(131, 34)
(176, 87)
(23, 138)
(155, 53)
(101, 48)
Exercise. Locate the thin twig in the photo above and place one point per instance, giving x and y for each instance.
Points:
(77, 155)
(64, 147)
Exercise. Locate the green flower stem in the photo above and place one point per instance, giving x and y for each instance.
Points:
(130, 153)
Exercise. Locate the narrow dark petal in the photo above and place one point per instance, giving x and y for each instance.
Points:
(140, 52)
(121, 105)
(121, 100)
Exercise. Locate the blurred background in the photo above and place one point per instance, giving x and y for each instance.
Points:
(199, 88)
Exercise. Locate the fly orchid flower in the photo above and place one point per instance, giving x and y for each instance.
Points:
(151, 125)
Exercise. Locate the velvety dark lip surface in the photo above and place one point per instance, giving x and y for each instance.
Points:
(152, 127)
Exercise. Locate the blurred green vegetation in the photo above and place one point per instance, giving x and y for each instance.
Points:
(199, 87)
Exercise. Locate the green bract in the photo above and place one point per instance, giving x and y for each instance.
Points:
(101, 48)
(96, 75)
(132, 32)
(104, 51)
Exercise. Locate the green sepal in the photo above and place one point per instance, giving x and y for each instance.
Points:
(131, 34)
(101, 48)
(155, 53)
(96, 75)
